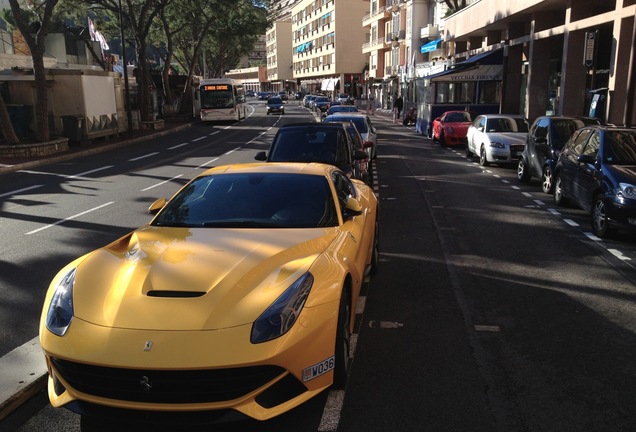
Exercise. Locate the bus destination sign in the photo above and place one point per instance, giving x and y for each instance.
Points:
(216, 87)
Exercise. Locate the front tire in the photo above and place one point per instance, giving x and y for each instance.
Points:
(442, 138)
(600, 225)
(523, 174)
(559, 199)
(547, 180)
(343, 343)
(483, 159)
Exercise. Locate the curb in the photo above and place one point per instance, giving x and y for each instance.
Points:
(24, 374)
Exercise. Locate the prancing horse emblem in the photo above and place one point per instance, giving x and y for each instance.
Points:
(146, 384)
(148, 345)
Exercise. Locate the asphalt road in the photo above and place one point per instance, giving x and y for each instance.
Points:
(492, 310)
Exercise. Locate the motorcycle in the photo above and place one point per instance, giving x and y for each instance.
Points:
(410, 116)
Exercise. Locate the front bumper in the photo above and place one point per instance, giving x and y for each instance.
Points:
(97, 370)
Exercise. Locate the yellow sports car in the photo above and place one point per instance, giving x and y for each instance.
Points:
(237, 298)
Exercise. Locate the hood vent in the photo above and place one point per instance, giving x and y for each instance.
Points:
(175, 294)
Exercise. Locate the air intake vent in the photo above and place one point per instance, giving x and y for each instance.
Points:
(175, 294)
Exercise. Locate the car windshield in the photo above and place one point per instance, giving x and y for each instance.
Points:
(620, 147)
(274, 100)
(458, 117)
(506, 125)
(252, 200)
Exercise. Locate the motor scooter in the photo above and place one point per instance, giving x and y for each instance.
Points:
(410, 116)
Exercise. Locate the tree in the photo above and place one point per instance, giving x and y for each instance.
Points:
(33, 23)
(455, 5)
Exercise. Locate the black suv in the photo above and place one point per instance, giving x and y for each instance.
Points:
(544, 142)
(316, 142)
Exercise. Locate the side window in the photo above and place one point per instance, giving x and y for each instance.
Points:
(593, 145)
(343, 155)
(541, 129)
(577, 142)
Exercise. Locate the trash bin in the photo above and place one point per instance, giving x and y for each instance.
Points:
(72, 129)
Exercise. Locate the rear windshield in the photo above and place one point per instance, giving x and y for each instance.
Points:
(305, 145)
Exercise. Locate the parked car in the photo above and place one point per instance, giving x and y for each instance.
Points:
(275, 105)
(496, 138)
(450, 128)
(243, 287)
(365, 127)
(596, 170)
(250, 93)
(263, 95)
(314, 142)
(544, 142)
(308, 100)
(283, 95)
(341, 108)
(321, 103)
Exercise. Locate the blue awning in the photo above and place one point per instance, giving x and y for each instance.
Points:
(431, 46)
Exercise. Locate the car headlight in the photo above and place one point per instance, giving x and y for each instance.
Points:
(60, 313)
(497, 145)
(626, 190)
(283, 313)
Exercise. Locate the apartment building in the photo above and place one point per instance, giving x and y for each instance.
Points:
(559, 56)
(403, 42)
(279, 56)
(326, 40)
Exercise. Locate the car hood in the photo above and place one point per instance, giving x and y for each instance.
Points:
(622, 173)
(459, 127)
(192, 279)
(508, 137)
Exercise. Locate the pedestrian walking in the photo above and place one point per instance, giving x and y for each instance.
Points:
(399, 104)
(371, 106)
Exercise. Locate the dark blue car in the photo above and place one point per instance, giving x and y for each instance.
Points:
(545, 139)
(597, 171)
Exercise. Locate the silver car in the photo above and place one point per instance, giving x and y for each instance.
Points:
(497, 138)
(363, 124)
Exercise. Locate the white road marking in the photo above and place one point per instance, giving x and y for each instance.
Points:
(570, 222)
(618, 254)
(204, 165)
(199, 139)
(178, 146)
(17, 191)
(69, 218)
(161, 183)
(143, 157)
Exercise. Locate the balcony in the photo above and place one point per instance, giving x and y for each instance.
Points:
(429, 32)
(373, 45)
(379, 14)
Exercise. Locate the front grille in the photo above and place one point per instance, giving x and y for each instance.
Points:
(165, 386)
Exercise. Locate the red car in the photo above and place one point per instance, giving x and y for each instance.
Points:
(450, 129)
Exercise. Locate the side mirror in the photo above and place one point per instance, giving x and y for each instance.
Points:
(353, 207)
(261, 156)
(360, 155)
(157, 205)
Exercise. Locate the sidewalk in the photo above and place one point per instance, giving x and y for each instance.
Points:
(8, 165)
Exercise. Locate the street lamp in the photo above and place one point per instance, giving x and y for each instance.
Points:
(126, 86)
